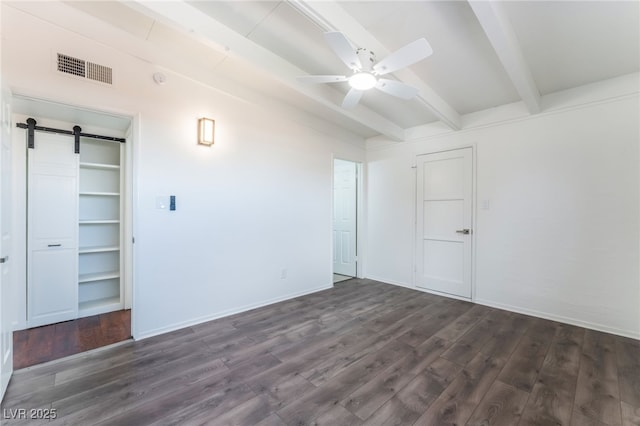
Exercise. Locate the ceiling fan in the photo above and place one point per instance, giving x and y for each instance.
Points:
(366, 71)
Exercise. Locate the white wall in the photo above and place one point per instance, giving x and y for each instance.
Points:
(257, 202)
(560, 237)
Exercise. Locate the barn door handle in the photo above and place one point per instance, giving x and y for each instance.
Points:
(463, 231)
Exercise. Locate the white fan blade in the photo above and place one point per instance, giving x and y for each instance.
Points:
(321, 78)
(352, 98)
(341, 46)
(397, 89)
(403, 57)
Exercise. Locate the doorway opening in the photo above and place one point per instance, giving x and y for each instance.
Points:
(73, 198)
(346, 198)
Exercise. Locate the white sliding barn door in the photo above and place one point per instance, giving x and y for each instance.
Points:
(444, 219)
(52, 237)
(344, 217)
(6, 302)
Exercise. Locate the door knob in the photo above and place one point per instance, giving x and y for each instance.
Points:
(4, 259)
(463, 231)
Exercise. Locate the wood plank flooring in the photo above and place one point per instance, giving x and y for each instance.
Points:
(49, 342)
(362, 353)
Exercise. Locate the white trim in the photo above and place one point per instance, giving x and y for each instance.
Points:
(610, 91)
(390, 281)
(439, 293)
(360, 212)
(205, 318)
(474, 215)
(559, 318)
(448, 149)
(544, 113)
(414, 222)
(519, 310)
(360, 225)
(35, 96)
(133, 169)
(424, 290)
(363, 218)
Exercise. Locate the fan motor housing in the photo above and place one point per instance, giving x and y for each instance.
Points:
(367, 59)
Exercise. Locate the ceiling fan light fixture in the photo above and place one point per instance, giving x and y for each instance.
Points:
(362, 81)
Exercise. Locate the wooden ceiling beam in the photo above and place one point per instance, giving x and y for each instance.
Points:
(497, 27)
(224, 39)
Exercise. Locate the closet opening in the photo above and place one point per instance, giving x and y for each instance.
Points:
(74, 198)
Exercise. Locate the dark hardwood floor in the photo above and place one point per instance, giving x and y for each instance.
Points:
(41, 344)
(361, 353)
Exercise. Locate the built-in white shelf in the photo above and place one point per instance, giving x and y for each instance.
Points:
(86, 278)
(100, 166)
(99, 306)
(98, 222)
(102, 194)
(100, 210)
(97, 249)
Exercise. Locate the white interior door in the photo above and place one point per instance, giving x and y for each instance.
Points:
(444, 219)
(52, 236)
(344, 217)
(6, 310)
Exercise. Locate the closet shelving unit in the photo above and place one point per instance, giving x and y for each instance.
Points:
(100, 286)
(76, 196)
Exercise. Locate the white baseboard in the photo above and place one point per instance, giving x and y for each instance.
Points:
(217, 315)
(439, 293)
(424, 290)
(521, 310)
(560, 318)
(4, 383)
(511, 308)
(388, 281)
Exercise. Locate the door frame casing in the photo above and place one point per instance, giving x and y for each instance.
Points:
(474, 224)
(129, 200)
(360, 217)
(7, 313)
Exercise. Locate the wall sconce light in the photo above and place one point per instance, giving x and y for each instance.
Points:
(206, 130)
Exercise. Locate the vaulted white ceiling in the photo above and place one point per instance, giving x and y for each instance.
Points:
(486, 53)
